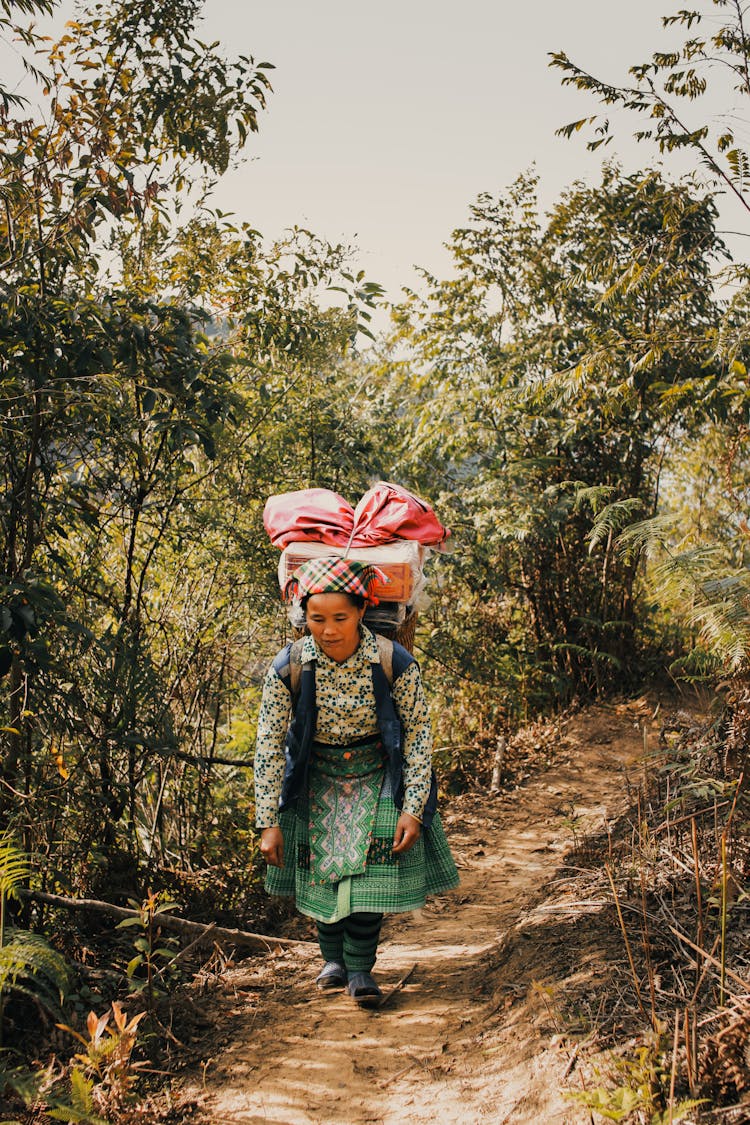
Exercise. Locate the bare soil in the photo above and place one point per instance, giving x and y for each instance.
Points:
(481, 1030)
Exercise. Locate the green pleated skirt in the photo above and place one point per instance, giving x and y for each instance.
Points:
(384, 883)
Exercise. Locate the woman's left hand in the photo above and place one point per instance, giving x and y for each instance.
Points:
(406, 834)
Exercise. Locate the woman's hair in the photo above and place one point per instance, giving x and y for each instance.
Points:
(356, 599)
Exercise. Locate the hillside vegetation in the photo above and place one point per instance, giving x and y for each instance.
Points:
(572, 399)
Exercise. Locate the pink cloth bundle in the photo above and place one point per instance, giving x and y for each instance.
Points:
(385, 513)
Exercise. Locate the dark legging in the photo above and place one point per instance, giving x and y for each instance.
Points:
(352, 941)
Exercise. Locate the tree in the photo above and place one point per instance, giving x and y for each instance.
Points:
(118, 118)
(700, 578)
(554, 372)
(9, 9)
(716, 51)
(149, 347)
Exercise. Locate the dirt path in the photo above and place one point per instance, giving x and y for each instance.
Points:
(473, 1035)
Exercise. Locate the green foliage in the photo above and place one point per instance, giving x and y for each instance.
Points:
(696, 577)
(700, 590)
(155, 954)
(81, 1107)
(715, 52)
(104, 1074)
(610, 518)
(14, 868)
(29, 966)
(550, 377)
(9, 11)
(162, 369)
(99, 1083)
(27, 1086)
(637, 1083)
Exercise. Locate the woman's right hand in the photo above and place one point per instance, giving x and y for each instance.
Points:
(272, 846)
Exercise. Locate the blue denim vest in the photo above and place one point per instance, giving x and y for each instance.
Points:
(301, 733)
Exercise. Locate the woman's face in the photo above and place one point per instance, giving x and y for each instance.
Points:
(334, 621)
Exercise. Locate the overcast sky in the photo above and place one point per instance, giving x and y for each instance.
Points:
(388, 119)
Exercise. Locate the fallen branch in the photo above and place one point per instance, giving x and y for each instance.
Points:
(194, 930)
(396, 988)
(572, 1060)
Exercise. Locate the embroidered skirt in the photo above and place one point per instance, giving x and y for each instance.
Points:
(338, 842)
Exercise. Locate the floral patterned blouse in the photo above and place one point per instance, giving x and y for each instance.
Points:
(346, 712)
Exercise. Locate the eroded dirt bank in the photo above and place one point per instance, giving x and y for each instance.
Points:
(473, 1035)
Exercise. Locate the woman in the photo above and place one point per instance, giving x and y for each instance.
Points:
(344, 793)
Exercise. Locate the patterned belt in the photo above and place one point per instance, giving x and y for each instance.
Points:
(355, 759)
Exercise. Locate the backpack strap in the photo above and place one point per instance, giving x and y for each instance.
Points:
(385, 651)
(288, 665)
(281, 665)
(401, 659)
(295, 667)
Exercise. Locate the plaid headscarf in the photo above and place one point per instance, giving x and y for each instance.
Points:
(334, 576)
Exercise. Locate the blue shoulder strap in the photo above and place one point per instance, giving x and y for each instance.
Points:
(402, 658)
(282, 666)
(288, 668)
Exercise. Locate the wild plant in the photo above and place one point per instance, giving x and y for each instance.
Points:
(638, 1082)
(21, 1086)
(81, 1109)
(29, 966)
(676, 889)
(104, 1073)
(154, 954)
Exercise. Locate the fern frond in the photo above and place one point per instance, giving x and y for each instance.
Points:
(593, 495)
(647, 537)
(81, 1108)
(31, 967)
(28, 1085)
(611, 520)
(591, 654)
(725, 632)
(717, 604)
(14, 866)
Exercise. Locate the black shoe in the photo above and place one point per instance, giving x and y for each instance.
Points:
(363, 990)
(332, 975)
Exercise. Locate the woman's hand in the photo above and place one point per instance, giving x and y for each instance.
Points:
(406, 834)
(272, 846)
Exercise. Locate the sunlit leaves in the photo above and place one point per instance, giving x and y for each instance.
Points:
(136, 104)
(551, 373)
(671, 78)
(162, 368)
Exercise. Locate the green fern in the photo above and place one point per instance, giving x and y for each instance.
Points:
(610, 519)
(27, 1086)
(14, 868)
(647, 537)
(696, 583)
(81, 1109)
(29, 966)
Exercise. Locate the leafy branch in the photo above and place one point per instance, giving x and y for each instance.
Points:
(666, 78)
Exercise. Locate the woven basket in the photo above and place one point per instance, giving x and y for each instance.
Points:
(404, 634)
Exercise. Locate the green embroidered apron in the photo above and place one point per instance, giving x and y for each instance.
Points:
(345, 784)
(338, 841)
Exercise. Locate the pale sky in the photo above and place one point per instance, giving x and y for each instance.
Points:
(388, 119)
